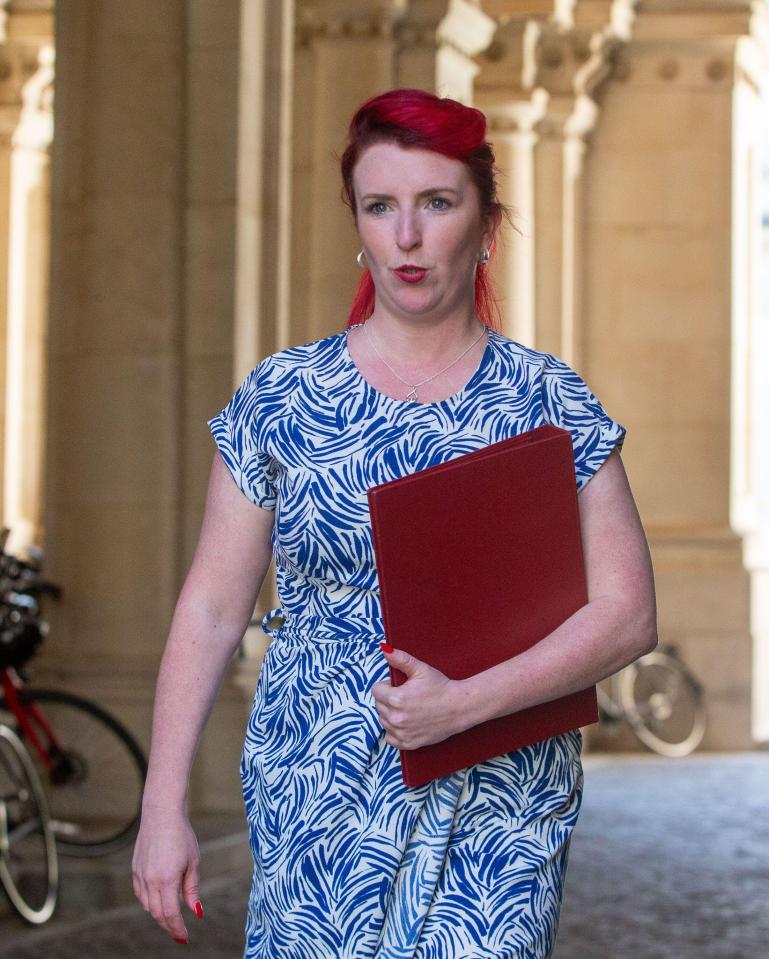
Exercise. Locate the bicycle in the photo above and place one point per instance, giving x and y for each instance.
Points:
(660, 699)
(92, 768)
(29, 866)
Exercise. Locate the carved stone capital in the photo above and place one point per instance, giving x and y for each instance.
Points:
(418, 26)
(35, 129)
(343, 19)
(466, 28)
(518, 117)
(460, 25)
(18, 63)
(568, 62)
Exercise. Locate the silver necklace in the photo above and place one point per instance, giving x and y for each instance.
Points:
(412, 393)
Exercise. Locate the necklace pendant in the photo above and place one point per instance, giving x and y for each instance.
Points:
(412, 394)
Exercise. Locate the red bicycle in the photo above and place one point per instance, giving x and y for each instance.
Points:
(92, 768)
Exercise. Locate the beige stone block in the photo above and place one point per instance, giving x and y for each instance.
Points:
(133, 126)
(672, 285)
(701, 602)
(416, 68)
(114, 432)
(212, 117)
(119, 572)
(697, 550)
(348, 71)
(722, 662)
(123, 20)
(661, 381)
(210, 280)
(208, 387)
(129, 292)
(684, 186)
(680, 474)
(66, 271)
(213, 24)
(637, 119)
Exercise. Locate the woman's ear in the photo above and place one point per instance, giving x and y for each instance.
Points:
(492, 224)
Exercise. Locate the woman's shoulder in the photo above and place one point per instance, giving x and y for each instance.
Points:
(544, 372)
(297, 359)
(518, 353)
(306, 353)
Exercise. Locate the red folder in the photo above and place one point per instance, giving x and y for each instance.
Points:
(479, 558)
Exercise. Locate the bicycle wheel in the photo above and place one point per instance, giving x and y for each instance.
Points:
(664, 704)
(29, 867)
(95, 785)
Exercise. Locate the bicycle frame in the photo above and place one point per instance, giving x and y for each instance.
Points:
(27, 714)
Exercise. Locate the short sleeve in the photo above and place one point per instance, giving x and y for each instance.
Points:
(569, 403)
(238, 431)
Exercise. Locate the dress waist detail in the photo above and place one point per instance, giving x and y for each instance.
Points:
(321, 628)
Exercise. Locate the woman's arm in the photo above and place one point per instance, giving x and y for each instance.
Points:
(617, 625)
(213, 610)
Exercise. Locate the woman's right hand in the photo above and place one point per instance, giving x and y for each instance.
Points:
(165, 867)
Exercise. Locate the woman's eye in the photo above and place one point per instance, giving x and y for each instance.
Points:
(439, 203)
(377, 207)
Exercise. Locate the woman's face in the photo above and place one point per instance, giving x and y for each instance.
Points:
(420, 223)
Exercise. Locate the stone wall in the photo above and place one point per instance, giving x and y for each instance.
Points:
(197, 226)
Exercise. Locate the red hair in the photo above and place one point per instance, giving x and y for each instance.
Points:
(422, 120)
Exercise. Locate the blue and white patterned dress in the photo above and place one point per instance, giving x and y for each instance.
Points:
(348, 862)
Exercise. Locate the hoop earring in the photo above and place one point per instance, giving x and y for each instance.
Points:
(359, 260)
(484, 256)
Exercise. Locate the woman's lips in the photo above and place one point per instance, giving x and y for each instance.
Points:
(410, 274)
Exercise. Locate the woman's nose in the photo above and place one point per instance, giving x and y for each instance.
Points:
(408, 233)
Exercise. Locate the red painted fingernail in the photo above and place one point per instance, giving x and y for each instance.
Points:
(386, 648)
(184, 942)
(198, 907)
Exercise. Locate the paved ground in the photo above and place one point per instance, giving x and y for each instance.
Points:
(670, 860)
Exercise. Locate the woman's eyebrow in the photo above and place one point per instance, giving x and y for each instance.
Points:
(430, 192)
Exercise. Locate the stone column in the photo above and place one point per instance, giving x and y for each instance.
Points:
(263, 293)
(115, 503)
(539, 83)
(10, 109)
(263, 287)
(26, 360)
(345, 54)
(658, 306)
(750, 347)
(570, 64)
(141, 346)
(25, 27)
(217, 347)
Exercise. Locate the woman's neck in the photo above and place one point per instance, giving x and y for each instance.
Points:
(418, 343)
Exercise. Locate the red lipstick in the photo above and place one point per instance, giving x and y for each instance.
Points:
(410, 273)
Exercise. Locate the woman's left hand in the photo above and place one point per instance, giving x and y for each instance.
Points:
(427, 708)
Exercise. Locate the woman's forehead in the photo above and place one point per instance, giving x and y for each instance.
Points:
(390, 168)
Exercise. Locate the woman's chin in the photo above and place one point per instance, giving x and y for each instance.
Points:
(417, 302)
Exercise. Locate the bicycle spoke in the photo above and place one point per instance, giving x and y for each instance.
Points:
(28, 863)
(95, 785)
(663, 705)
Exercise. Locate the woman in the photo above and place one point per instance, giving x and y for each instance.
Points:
(348, 862)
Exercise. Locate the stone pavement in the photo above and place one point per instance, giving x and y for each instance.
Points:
(670, 860)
